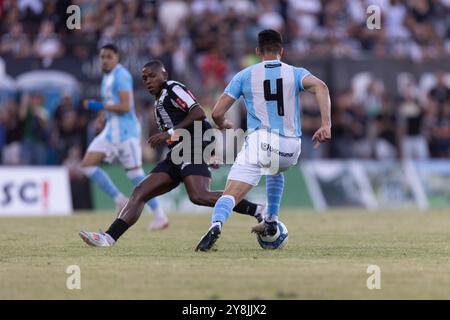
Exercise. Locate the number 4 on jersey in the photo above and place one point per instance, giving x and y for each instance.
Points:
(277, 96)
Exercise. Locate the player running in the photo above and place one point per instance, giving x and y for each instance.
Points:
(120, 138)
(175, 109)
(271, 93)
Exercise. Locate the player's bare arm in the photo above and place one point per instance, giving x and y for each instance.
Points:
(195, 114)
(320, 90)
(221, 107)
(123, 105)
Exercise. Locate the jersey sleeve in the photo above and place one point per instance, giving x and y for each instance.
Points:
(124, 82)
(183, 98)
(300, 74)
(234, 88)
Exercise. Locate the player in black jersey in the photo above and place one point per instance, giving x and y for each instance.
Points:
(175, 109)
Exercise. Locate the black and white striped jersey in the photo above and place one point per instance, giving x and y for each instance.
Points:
(173, 105)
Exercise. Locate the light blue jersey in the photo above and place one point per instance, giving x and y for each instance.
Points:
(271, 94)
(120, 126)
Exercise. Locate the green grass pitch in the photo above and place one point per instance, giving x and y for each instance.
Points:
(326, 258)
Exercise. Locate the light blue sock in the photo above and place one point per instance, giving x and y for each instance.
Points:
(274, 189)
(152, 203)
(223, 208)
(104, 182)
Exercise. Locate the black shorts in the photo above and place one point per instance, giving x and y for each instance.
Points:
(179, 171)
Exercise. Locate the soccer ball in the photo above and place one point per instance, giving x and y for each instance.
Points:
(277, 241)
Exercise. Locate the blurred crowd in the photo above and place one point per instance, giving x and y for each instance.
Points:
(204, 42)
(370, 123)
(219, 31)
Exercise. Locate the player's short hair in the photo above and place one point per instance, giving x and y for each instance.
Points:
(155, 63)
(111, 47)
(270, 41)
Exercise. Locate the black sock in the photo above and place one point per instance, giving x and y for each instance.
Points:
(246, 207)
(117, 229)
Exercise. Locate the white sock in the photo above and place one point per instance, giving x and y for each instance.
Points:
(272, 218)
(259, 209)
(217, 223)
(159, 212)
(109, 239)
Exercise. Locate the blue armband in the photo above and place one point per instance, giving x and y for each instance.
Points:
(95, 105)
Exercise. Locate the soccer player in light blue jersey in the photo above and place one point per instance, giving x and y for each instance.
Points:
(120, 138)
(271, 94)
